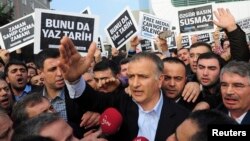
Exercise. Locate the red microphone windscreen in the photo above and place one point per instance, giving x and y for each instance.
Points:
(140, 138)
(110, 121)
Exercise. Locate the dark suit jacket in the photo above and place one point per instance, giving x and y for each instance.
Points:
(246, 119)
(171, 115)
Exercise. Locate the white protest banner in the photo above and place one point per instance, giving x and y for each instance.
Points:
(185, 41)
(146, 45)
(51, 26)
(18, 33)
(204, 37)
(121, 29)
(100, 44)
(244, 24)
(151, 26)
(196, 19)
(86, 11)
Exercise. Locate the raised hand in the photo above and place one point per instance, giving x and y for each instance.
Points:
(5, 55)
(225, 19)
(72, 64)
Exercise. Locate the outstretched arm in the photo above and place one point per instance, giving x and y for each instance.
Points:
(237, 38)
(72, 64)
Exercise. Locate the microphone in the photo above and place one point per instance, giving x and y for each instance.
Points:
(110, 121)
(140, 138)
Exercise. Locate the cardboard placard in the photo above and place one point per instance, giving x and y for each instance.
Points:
(204, 37)
(146, 45)
(122, 29)
(185, 41)
(151, 26)
(196, 19)
(51, 26)
(18, 33)
(244, 24)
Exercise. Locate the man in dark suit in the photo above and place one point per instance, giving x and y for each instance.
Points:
(58, 94)
(175, 80)
(235, 88)
(147, 113)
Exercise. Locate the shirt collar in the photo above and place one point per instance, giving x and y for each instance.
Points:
(157, 108)
(239, 119)
(27, 89)
(60, 94)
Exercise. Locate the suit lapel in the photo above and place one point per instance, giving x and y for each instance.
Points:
(133, 119)
(166, 121)
(246, 119)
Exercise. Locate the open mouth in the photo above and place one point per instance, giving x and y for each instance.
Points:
(5, 101)
(230, 101)
(61, 81)
(20, 80)
(137, 92)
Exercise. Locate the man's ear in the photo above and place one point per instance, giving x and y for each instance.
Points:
(161, 79)
(42, 73)
(7, 79)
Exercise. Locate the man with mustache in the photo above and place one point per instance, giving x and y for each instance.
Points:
(146, 113)
(235, 88)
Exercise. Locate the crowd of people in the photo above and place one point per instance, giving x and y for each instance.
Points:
(60, 95)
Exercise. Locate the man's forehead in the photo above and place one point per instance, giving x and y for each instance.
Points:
(229, 77)
(199, 49)
(103, 73)
(139, 60)
(232, 75)
(182, 50)
(106, 71)
(14, 66)
(3, 84)
(208, 62)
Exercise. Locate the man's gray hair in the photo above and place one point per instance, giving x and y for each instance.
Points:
(237, 67)
(150, 56)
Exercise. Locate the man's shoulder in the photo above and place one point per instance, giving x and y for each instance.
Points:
(173, 107)
(35, 88)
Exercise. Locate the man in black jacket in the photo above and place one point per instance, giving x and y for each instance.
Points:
(58, 94)
(147, 113)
